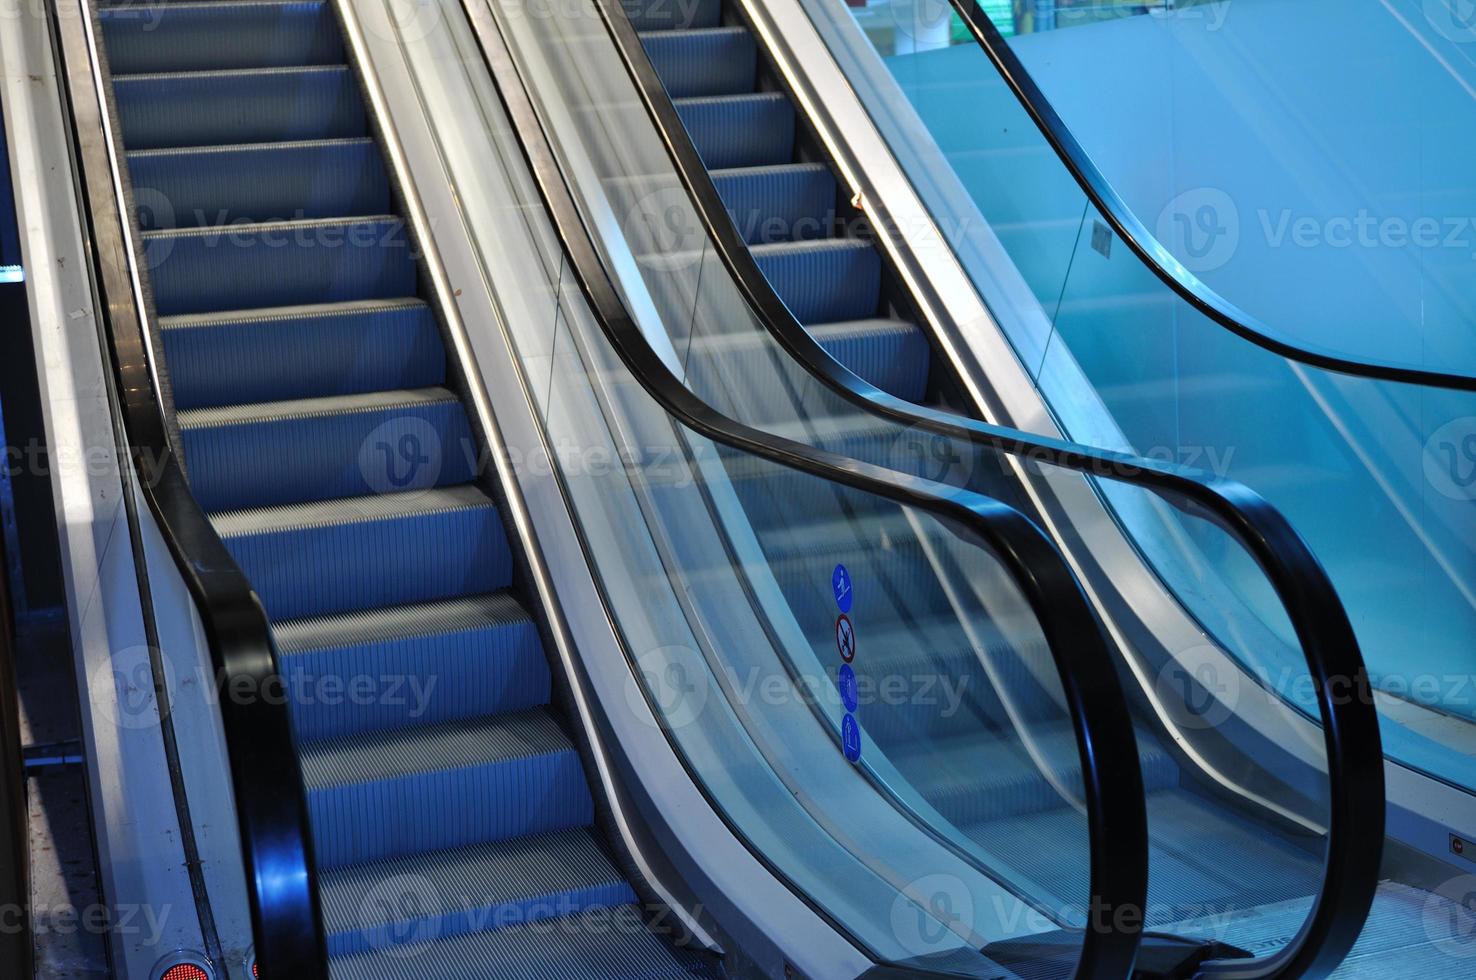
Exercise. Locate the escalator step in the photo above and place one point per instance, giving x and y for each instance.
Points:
(457, 658)
(740, 130)
(285, 263)
(892, 354)
(177, 37)
(222, 185)
(322, 448)
(979, 778)
(668, 15)
(711, 61)
(824, 281)
(222, 108)
(365, 552)
(281, 353)
(611, 942)
(432, 788)
(751, 371)
(452, 893)
(780, 203)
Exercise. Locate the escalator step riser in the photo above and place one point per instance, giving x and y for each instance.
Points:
(760, 391)
(666, 15)
(231, 108)
(275, 355)
(312, 571)
(826, 282)
(232, 185)
(257, 266)
(269, 461)
(746, 131)
(600, 943)
(434, 810)
(220, 36)
(696, 63)
(493, 669)
(779, 204)
(402, 935)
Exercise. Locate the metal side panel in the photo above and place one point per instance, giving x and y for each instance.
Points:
(683, 848)
(144, 881)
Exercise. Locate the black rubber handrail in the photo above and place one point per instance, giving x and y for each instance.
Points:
(1104, 734)
(1149, 249)
(1335, 663)
(270, 801)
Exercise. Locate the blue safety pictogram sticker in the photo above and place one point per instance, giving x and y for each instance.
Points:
(851, 738)
(846, 681)
(840, 584)
(845, 637)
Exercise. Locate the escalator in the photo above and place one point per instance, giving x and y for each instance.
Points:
(289, 349)
(336, 463)
(1257, 872)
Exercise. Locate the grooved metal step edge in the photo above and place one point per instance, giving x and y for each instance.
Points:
(397, 753)
(276, 313)
(351, 510)
(309, 408)
(460, 614)
(259, 227)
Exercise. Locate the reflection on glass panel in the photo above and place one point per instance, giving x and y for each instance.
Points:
(1378, 477)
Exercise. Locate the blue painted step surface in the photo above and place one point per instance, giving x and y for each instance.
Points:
(425, 663)
(429, 788)
(323, 448)
(212, 36)
(281, 353)
(287, 263)
(202, 186)
(227, 108)
(361, 553)
(746, 137)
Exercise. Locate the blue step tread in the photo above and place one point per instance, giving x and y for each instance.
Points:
(219, 108)
(177, 37)
(421, 664)
(285, 263)
(612, 942)
(364, 552)
(706, 61)
(824, 281)
(387, 906)
(392, 794)
(779, 203)
(321, 349)
(325, 448)
(263, 182)
(750, 130)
